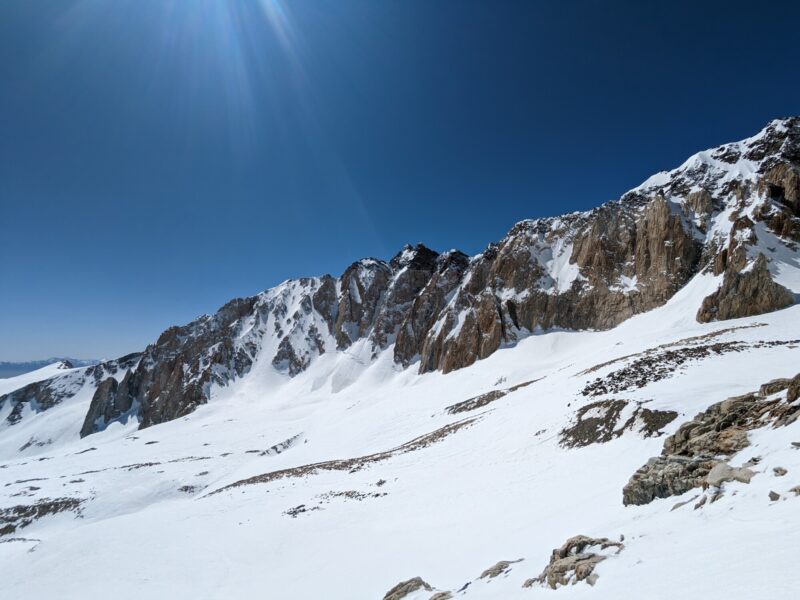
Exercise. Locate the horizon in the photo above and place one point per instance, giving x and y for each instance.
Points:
(159, 163)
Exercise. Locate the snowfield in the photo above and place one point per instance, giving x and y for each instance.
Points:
(353, 476)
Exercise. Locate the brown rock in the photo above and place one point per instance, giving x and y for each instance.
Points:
(404, 588)
(774, 386)
(498, 569)
(575, 561)
(744, 294)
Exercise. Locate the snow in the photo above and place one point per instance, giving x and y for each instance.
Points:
(10, 384)
(501, 488)
(626, 284)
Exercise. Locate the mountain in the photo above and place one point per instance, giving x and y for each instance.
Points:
(618, 384)
(12, 369)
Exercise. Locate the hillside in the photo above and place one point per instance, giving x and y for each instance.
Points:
(629, 374)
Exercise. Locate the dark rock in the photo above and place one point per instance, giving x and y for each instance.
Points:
(448, 272)
(111, 402)
(774, 386)
(412, 270)
(17, 517)
(598, 422)
(498, 569)
(361, 289)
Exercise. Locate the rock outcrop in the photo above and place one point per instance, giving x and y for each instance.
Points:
(695, 455)
(412, 270)
(404, 588)
(599, 422)
(575, 561)
(745, 294)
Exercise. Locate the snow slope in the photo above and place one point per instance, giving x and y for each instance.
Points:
(10, 384)
(156, 519)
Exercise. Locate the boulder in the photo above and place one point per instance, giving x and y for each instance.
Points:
(575, 561)
(404, 588)
(693, 455)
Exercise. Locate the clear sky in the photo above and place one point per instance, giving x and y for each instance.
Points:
(159, 157)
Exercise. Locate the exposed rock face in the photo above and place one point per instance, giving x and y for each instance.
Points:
(695, 455)
(744, 294)
(411, 269)
(793, 390)
(175, 374)
(593, 270)
(112, 401)
(361, 289)
(404, 588)
(575, 561)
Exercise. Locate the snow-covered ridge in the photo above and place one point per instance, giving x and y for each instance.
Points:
(716, 213)
(601, 425)
(450, 478)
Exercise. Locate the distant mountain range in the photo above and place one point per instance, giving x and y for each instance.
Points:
(12, 369)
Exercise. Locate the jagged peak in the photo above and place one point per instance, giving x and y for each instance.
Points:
(415, 257)
(743, 160)
(368, 264)
(451, 257)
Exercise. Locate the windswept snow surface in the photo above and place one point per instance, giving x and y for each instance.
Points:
(499, 488)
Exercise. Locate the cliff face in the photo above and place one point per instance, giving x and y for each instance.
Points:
(582, 271)
(732, 213)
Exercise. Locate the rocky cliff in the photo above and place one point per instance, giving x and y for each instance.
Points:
(731, 213)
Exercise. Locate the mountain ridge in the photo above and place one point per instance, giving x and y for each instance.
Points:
(14, 368)
(285, 445)
(723, 211)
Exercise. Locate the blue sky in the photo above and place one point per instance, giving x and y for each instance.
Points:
(158, 158)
